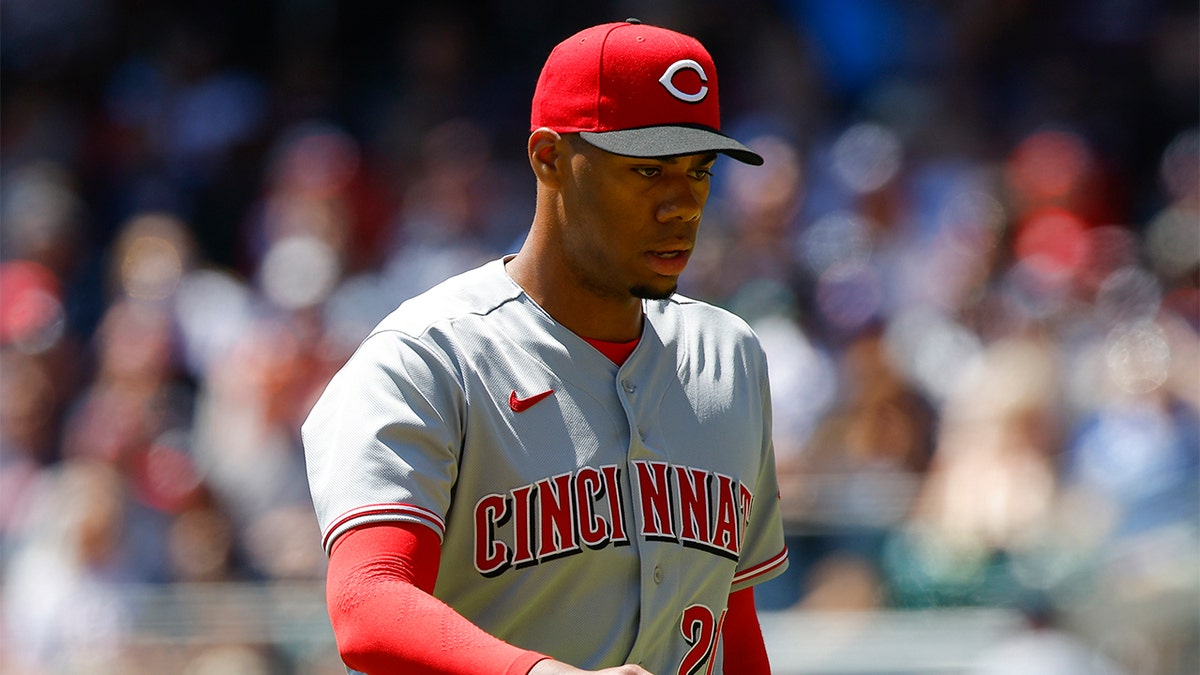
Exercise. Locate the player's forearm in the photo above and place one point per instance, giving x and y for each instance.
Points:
(745, 651)
(384, 623)
(412, 632)
(549, 667)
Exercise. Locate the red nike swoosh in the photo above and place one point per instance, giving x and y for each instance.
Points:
(523, 404)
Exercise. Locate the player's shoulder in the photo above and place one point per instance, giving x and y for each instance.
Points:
(476, 292)
(697, 318)
(700, 332)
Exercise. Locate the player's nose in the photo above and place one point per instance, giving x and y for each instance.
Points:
(682, 201)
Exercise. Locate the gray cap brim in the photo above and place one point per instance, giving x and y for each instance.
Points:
(670, 141)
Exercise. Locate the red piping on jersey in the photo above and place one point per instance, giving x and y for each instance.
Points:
(762, 568)
(424, 515)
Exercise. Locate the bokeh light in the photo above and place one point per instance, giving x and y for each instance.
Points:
(153, 253)
(840, 238)
(1053, 244)
(1129, 295)
(31, 310)
(972, 222)
(299, 271)
(931, 349)
(849, 295)
(1180, 168)
(1173, 241)
(1048, 166)
(867, 156)
(1139, 357)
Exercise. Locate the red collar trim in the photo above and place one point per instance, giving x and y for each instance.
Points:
(616, 352)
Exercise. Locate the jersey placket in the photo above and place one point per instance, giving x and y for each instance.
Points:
(640, 385)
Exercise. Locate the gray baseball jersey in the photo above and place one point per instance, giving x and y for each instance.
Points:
(595, 513)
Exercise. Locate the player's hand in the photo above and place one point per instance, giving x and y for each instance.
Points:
(552, 667)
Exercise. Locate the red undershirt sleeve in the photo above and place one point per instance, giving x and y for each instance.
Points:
(386, 620)
(744, 648)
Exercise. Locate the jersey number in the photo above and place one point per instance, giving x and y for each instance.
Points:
(701, 631)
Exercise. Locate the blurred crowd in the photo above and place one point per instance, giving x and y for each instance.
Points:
(973, 257)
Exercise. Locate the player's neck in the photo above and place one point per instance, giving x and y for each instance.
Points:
(585, 313)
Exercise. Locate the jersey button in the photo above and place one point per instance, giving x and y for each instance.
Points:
(657, 574)
(628, 386)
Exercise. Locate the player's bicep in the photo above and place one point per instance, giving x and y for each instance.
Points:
(395, 552)
(764, 554)
(382, 441)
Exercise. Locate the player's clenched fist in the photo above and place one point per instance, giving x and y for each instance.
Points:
(549, 667)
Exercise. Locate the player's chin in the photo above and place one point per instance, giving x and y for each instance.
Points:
(656, 292)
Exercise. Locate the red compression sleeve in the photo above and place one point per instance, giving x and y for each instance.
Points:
(745, 651)
(385, 620)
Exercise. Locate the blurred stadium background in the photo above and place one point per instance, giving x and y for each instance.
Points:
(973, 257)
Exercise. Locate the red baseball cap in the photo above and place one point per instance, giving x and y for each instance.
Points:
(635, 90)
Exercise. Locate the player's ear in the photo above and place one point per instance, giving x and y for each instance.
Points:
(546, 148)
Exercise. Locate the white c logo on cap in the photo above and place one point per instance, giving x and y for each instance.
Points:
(667, 80)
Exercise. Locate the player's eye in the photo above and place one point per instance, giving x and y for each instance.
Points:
(648, 171)
(701, 174)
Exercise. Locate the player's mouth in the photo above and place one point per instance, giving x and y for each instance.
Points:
(669, 262)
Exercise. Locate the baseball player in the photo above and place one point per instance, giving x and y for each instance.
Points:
(552, 463)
